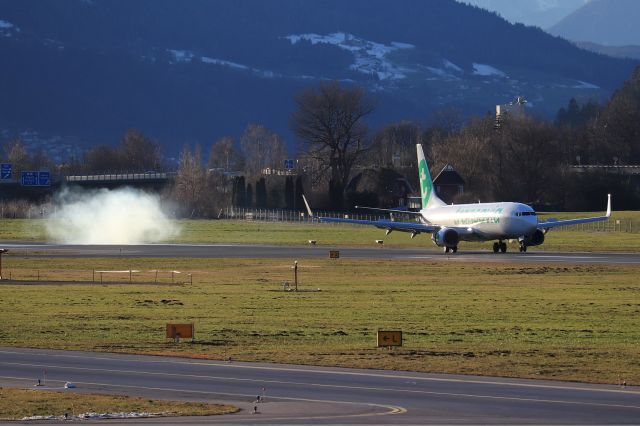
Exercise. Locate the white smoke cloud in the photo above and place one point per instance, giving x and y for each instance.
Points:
(121, 216)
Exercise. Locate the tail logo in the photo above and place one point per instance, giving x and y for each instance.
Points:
(425, 183)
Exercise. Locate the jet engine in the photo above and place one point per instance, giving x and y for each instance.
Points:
(535, 239)
(446, 237)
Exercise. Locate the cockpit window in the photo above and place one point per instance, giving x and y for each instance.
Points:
(525, 213)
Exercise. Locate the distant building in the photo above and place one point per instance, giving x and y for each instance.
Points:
(610, 168)
(448, 184)
(513, 109)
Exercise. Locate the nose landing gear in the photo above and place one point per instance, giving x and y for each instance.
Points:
(453, 249)
(523, 247)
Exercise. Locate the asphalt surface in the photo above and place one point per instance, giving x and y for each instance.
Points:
(302, 252)
(315, 395)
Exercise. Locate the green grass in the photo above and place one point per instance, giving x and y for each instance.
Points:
(540, 321)
(247, 232)
(16, 404)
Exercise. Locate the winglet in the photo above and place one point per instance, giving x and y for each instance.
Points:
(608, 205)
(307, 205)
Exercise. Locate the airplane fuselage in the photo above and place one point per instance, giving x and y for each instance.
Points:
(485, 221)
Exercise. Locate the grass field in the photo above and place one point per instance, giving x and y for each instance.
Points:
(539, 321)
(247, 232)
(16, 404)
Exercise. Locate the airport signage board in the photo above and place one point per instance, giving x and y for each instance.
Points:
(5, 171)
(289, 164)
(389, 338)
(35, 178)
(182, 331)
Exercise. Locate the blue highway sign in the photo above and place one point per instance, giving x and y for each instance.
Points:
(29, 179)
(36, 178)
(44, 179)
(5, 171)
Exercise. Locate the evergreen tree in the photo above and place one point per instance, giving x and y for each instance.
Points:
(261, 193)
(239, 192)
(249, 196)
(298, 203)
(288, 193)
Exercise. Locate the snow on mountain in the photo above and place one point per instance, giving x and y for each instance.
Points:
(222, 62)
(485, 70)
(7, 28)
(450, 65)
(581, 85)
(181, 55)
(237, 66)
(370, 57)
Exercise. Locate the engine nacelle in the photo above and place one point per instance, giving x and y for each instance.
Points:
(535, 239)
(446, 238)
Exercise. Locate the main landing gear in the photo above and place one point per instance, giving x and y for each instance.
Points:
(500, 246)
(451, 249)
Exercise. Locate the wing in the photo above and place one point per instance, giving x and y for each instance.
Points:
(399, 211)
(390, 225)
(554, 223)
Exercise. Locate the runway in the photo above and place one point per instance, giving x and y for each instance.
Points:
(305, 252)
(296, 394)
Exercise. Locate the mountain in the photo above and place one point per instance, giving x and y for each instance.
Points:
(631, 52)
(186, 72)
(605, 22)
(538, 13)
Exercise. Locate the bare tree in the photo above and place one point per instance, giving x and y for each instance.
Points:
(224, 155)
(468, 151)
(329, 123)
(191, 183)
(394, 146)
(139, 153)
(101, 159)
(261, 149)
(521, 161)
(17, 155)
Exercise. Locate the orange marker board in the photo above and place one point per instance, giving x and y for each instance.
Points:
(389, 338)
(185, 331)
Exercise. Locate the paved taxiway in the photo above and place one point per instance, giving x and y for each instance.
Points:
(305, 394)
(302, 252)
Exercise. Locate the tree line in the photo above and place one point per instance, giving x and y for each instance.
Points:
(521, 158)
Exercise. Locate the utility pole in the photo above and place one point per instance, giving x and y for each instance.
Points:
(1, 252)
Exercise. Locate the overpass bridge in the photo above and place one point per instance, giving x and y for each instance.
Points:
(147, 180)
(11, 189)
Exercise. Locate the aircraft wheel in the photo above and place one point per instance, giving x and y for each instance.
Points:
(503, 247)
(496, 247)
(446, 249)
(454, 249)
(523, 248)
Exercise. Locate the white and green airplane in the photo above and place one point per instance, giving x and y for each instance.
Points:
(450, 224)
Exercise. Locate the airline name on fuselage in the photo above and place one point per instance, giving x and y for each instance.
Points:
(496, 210)
(477, 220)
